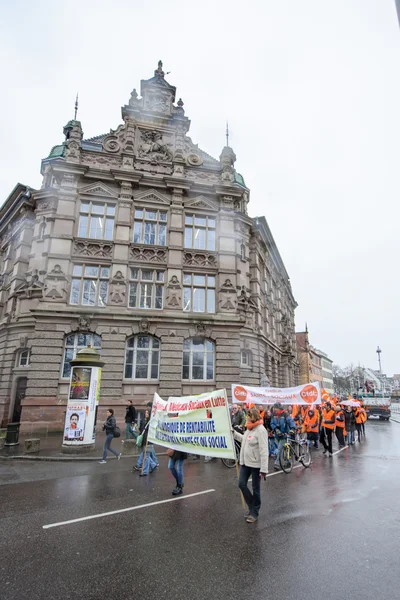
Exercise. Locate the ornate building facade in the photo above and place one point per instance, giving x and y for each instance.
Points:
(140, 244)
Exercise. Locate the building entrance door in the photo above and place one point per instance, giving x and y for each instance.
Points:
(19, 396)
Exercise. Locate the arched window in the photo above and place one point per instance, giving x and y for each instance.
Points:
(198, 359)
(142, 357)
(22, 359)
(75, 342)
(246, 359)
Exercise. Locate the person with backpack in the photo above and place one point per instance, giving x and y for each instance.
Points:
(130, 421)
(281, 424)
(110, 427)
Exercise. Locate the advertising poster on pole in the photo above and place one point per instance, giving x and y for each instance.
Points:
(75, 421)
(80, 383)
(195, 424)
(308, 393)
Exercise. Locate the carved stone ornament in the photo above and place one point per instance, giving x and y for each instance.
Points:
(245, 302)
(195, 159)
(160, 103)
(32, 286)
(148, 255)
(23, 340)
(197, 259)
(111, 144)
(227, 296)
(154, 147)
(144, 325)
(174, 293)
(203, 176)
(118, 289)
(45, 204)
(55, 288)
(201, 329)
(96, 249)
(153, 168)
(83, 323)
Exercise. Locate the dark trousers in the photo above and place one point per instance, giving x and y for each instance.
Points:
(358, 427)
(253, 500)
(363, 428)
(340, 435)
(326, 439)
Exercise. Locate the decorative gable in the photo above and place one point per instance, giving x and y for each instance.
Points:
(152, 196)
(201, 202)
(98, 189)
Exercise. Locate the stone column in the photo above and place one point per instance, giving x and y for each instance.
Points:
(171, 362)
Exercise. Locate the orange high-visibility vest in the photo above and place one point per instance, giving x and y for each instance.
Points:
(359, 418)
(363, 415)
(328, 415)
(339, 423)
(312, 423)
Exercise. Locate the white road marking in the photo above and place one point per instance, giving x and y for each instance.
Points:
(341, 450)
(122, 510)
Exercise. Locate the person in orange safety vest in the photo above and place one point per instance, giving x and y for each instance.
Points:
(340, 426)
(359, 421)
(328, 425)
(311, 423)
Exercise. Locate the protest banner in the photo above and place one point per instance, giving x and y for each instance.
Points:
(195, 424)
(308, 393)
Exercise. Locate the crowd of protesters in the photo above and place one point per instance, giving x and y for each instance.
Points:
(317, 423)
(262, 431)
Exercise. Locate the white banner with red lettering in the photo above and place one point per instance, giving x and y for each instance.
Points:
(308, 393)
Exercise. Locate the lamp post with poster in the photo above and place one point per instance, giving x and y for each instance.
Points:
(83, 399)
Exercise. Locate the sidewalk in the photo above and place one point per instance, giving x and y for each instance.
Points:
(50, 449)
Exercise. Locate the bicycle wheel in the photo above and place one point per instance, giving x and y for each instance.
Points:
(286, 458)
(305, 457)
(229, 462)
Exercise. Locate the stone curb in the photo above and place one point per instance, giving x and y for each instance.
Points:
(65, 458)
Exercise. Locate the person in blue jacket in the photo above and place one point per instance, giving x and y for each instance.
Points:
(281, 424)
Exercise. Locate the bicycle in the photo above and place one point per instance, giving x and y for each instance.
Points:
(294, 449)
(231, 462)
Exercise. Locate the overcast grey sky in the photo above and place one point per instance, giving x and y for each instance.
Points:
(311, 89)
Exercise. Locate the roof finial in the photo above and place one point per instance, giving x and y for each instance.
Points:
(159, 71)
(76, 107)
(227, 133)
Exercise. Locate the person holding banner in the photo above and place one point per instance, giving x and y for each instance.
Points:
(253, 461)
(175, 465)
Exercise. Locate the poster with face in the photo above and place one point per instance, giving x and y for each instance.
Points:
(75, 424)
(80, 383)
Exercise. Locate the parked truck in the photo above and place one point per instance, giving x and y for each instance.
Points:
(376, 406)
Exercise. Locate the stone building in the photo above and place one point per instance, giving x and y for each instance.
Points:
(140, 244)
(314, 365)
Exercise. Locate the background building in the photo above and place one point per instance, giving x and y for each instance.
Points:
(314, 365)
(138, 243)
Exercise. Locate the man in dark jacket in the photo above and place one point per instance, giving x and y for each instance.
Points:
(130, 421)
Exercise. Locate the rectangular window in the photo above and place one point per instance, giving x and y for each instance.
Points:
(146, 289)
(96, 220)
(198, 293)
(199, 232)
(90, 285)
(150, 227)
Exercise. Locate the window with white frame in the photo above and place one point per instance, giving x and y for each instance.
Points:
(245, 358)
(198, 360)
(198, 293)
(75, 342)
(89, 285)
(96, 220)
(22, 359)
(200, 232)
(142, 358)
(150, 227)
(146, 288)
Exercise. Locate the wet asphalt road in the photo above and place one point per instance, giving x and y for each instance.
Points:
(328, 532)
